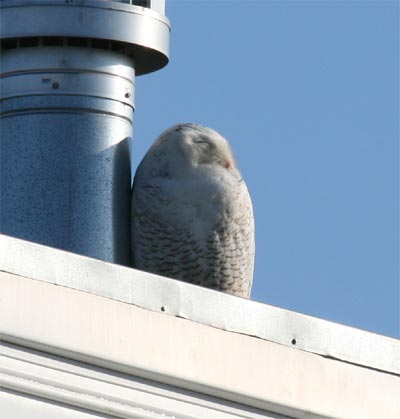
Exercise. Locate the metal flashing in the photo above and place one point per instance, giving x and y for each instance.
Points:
(210, 363)
(200, 305)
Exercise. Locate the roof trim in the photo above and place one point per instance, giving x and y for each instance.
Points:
(199, 304)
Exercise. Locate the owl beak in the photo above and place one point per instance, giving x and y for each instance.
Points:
(228, 165)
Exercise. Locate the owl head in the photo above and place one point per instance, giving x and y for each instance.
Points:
(189, 147)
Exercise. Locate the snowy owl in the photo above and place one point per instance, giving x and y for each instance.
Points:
(192, 217)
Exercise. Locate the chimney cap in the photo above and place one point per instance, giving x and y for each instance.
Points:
(135, 28)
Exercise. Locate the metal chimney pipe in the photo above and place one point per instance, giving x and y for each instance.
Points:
(67, 86)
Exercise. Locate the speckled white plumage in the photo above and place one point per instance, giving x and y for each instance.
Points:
(192, 217)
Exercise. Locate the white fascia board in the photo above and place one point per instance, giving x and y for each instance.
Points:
(199, 304)
(185, 354)
(80, 386)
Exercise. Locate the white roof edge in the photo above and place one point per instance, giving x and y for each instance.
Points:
(198, 304)
(179, 353)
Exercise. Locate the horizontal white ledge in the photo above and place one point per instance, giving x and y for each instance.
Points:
(198, 304)
(182, 353)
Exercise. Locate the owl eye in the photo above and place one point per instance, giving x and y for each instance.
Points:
(201, 145)
(204, 144)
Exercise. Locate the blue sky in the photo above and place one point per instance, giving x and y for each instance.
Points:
(307, 92)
